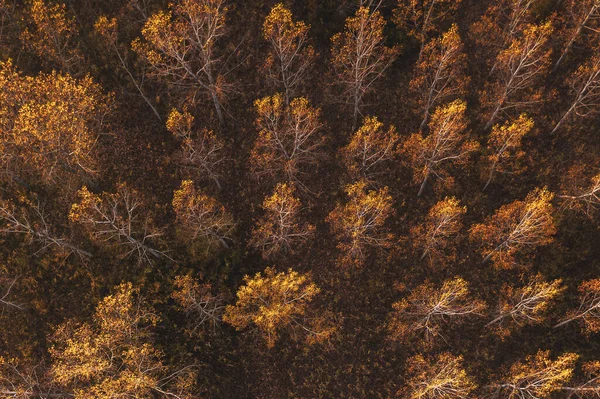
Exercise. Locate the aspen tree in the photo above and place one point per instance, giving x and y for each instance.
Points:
(429, 309)
(273, 302)
(446, 143)
(504, 145)
(371, 151)
(360, 57)
(538, 376)
(201, 217)
(585, 84)
(49, 127)
(441, 378)
(117, 221)
(31, 220)
(434, 236)
(527, 305)
(590, 387)
(588, 312)
(51, 35)
(201, 151)
(440, 74)
(280, 230)
(108, 32)
(289, 140)
(360, 223)
(518, 227)
(518, 69)
(421, 18)
(200, 306)
(503, 22)
(113, 354)
(583, 198)
(179, 46)
(291, 55)
(584, 16)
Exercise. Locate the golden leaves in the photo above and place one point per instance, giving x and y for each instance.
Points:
(360, 223)
(273, 302)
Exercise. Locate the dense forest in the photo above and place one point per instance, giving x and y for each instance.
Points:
(300, 199)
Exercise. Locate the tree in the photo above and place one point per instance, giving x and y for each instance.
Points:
(21, 380)
(371, 151)
(201, 217)
(179, 46)
(585, 83)
(31, 219)
(527, 305)
(504, 145)
(536, 377)
(108, 34)
(518, 227)
(444, 377)
(360, 223)
(583, 198)
(518, 68)
(440, 74)
(200, 306)
(503, 22)
(421, 18)
(280, 230)
(113, 354)
(289, 141)
(201, 152)
(117, 221)
(428, 309)
(273, 302)
(584, 16)
(446, 143)
(51, 35)
(359, 56)
(291, 55)
(589, 308)
(591, 386)
(49, 128)
(6, 286)
(443, 222)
